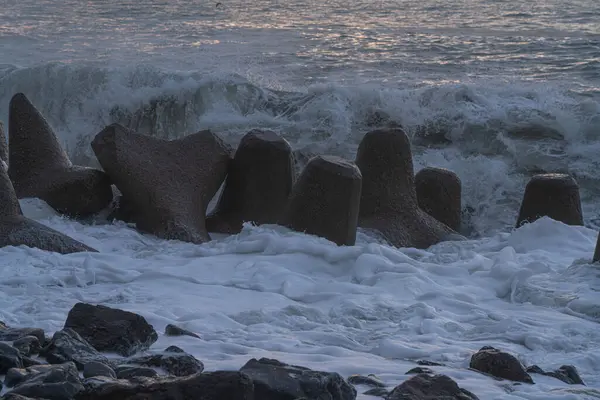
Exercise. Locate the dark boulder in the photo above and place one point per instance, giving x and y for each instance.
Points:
(551, 195)
(17, 230)
(9, 358)
(3, 144)
(28, 345)
(67, 345)
(129, 372)
(439, 195)
(430, 387)
(174, 330)
(499, 364)
(168, 183)
(258, 184)
(389, 201)
(39, 167)
(219, 385)
(275, 380)
(174, 361)
(566, 373)
(325, 200)
(95, 368)
(12, 334)
(52, 382)
(110, 329)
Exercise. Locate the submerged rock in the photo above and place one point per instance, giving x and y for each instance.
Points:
(566, 373)
(174, 330)
(278, 381)
(499, 364)
(110, 329)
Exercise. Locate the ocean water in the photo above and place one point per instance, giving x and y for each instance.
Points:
(494, 90)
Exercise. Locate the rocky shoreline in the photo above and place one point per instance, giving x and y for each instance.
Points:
(105, 353)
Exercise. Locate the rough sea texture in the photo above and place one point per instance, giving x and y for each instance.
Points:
(494, 90)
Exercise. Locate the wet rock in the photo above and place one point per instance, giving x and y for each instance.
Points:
(52, 382)
(258, 184)
(597, 250)
(129, 372)
(174, 361)
(94, 368)
(429, 363)
(39, 167)
(419, 370)
(110, 329)
(428, 387)
(219, 385)
(499, 364)
(12, 334)
(389, 201)
(325, 200)
(278, 381)
(174, 330)
(3, 144)
(67, 345)
(122, 210)
(28, 345)
(370, 380)
(171, 193)
(30, 362)
(9, 358)
(551, 195)
(16, 230)
(381, 392)
(439, 195)
(566, 373)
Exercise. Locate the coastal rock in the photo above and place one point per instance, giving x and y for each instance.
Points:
(174, 361)
(258, 184)
(129, 372)
(95, 368)
(552, 195)
(67, 345)
(168, 183)
(110, 329)
(499, 364)
(217, 385)
(430, 387)
(597, 250)
(566, 373)
(370, 380)
(12, 334)
(174, 330)
(3, 144)
(28, 345)
(439, 195)
(325, 200)
(278, 381)
(9, 358)
(39, 167)
(52, 382)
(17, 230)
(389, 201)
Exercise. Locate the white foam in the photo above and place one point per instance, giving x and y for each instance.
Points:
(369, 308)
